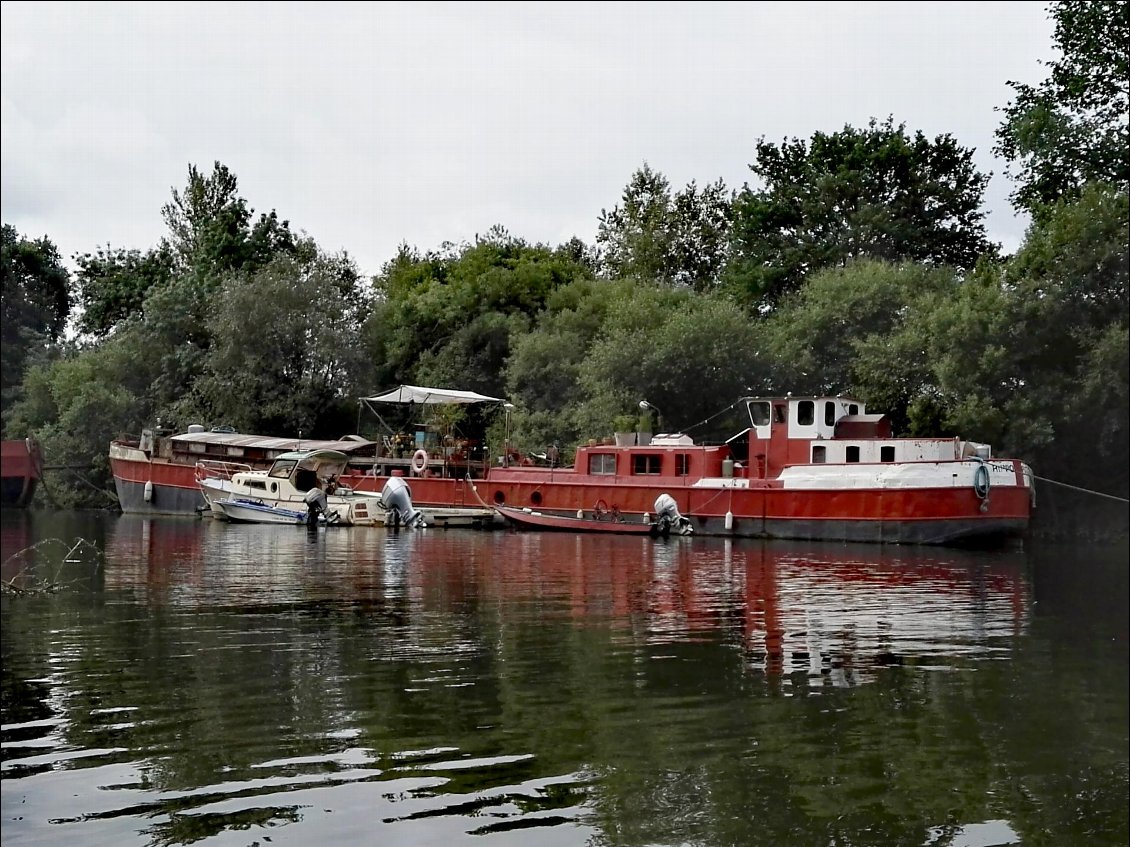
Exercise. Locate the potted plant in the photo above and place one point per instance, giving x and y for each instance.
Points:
(643, 428)
(623, 430)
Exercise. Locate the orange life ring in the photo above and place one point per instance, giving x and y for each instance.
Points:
(419, 462)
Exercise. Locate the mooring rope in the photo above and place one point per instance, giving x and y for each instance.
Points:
(1084, 490)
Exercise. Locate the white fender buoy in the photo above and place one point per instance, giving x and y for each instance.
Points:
(148, 491)
(420, 462)
(729, 520)
(580, 513)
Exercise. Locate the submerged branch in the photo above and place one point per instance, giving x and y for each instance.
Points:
(26, 581)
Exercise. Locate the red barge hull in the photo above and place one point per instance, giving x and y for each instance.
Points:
(736, 507)
(21, 468)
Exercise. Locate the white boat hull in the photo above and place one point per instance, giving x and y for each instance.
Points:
(248, 511)
(342, 509)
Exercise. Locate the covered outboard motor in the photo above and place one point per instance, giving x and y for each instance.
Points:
(668, 519)
(316, 504)
(397, 499)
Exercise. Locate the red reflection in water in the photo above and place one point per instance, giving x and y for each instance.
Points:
(818, 609)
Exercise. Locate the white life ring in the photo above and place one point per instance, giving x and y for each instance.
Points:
(419, 462)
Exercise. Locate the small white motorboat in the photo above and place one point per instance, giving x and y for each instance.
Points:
(241, 510)
(295, 483)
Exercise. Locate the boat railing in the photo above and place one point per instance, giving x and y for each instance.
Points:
(218, 469)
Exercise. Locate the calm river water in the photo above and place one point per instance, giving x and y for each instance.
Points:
(193, 682)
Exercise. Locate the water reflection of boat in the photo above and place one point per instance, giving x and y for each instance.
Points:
(833, 614)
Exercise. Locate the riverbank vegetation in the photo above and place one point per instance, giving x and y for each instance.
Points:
(856, 263)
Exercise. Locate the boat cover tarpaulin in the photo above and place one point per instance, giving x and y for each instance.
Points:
(422, 394)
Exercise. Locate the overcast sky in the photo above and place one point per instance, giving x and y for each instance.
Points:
(369, 125)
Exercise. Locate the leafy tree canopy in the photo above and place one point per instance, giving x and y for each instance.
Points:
(858, 330)
(1074, 127)
(300, 368)
(690, 355)
(655, 236)
(113, 285)
(874, 193)
(433, 309)
(35, 293)
(210, 226)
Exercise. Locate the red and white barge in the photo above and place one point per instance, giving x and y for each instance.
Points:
(813, 468)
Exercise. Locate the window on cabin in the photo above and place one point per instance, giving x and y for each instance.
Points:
(887, 453)
(829, 413)
(853, 409)
(257, 483)
(819, 455)
(282, 469)
(759, 413)
(197, 448)
(682, 464)
(603, 464)
(852, 454)
(235, 451)
(805, 412)
(645, 464)
(779, 413)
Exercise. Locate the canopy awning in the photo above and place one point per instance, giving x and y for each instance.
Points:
(422, 394)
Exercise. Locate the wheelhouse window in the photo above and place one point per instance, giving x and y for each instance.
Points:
(819, 455)
(829, 413)
(887, 453)
(682, 464)
(805, 412)
(853, 409)
(759, 413)
(852, 453)
(602, 464)
(644, 464)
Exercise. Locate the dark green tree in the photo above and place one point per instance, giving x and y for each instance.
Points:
(210, 228)
(670, 239)
(1071, 278)
(210, 233)
(36, 303)
(1074, 127)
(875, 193)
(688, 354)
(450, 314)
(299, 369)
(76, 404)
(858, 330)
(113, 285)
(543, 369)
